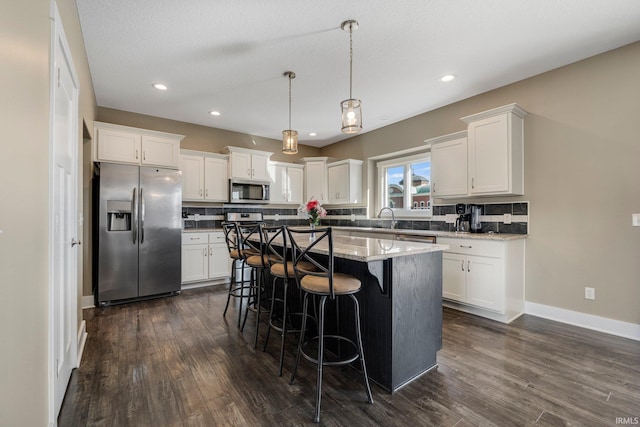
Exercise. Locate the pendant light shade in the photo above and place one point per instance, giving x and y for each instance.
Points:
(290, 136)
(351, 108)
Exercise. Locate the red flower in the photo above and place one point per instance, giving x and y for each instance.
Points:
(311, 205)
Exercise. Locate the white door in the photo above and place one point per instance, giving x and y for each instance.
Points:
(216, 181)
(484, 283)
(277, 178)
(295, 178)
(195, 262)
(64, 227)
(192, 177)
(259, 167)
(453, 277)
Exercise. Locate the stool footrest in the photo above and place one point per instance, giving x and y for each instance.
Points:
(339, 362)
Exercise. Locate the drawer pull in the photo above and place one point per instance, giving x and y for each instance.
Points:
(462, 265)
(467, 247)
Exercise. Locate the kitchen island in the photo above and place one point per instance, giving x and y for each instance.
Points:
(401, 304)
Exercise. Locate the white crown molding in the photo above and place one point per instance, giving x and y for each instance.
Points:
(511, 108)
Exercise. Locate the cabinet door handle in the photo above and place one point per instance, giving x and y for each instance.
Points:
(144, 155)
(462, 265)
(472, 183)
(136, 154)
(434, 187)
(201, 192)
(210, 251)
(253, 172)
(205, 252)
(468, 266)
(249, 172)
(467, 247)
(206, 193)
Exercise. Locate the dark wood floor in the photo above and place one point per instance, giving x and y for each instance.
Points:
(177, 362)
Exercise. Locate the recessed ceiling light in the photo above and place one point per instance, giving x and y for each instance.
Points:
(160, 86)
(447, 78)
(312, 134)
(214, 113)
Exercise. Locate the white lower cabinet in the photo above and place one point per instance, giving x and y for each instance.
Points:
(484, 277)
(204, 256)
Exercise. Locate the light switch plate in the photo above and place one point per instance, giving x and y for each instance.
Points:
(635, 220)
(507, 219)
(353, 217)
(276, 217)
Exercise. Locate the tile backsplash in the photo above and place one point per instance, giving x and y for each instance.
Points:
(492, 218)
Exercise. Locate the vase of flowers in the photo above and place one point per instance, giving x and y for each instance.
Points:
(314, 211)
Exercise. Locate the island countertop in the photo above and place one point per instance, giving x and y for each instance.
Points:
(367, 249)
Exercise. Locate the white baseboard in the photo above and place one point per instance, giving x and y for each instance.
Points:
(82, 340)
(87, 301)
(588, 321)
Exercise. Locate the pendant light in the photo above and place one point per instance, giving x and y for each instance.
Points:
(290, 136)
(351, 108)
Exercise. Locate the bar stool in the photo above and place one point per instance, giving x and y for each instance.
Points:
(276, 250)
(253, 250)
(325, 283)
(233, 239)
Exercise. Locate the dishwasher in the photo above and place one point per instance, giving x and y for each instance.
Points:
(415, 238)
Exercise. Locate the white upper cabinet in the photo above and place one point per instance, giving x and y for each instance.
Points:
(216, 181)
(495, 152)
(449, 165)
(204, 176)
(247, 164)
(192, 168)
(157, 151)
(124, 144)
(344, 181)
(315, 178)
(286, 183)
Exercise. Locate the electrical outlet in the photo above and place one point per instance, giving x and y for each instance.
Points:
(450, 218)
(589, 293)
(277, 217)
(353, 217)
(635, 220)
(196, 217)
(507, 219)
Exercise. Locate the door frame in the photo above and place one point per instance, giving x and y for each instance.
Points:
(58, 34)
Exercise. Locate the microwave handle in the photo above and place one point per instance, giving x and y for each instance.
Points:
(264, 192)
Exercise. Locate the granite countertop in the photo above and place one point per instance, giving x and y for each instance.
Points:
(200, 230)
(366, 249)
(450, 234)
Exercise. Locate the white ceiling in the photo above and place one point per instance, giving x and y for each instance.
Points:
(230, 55)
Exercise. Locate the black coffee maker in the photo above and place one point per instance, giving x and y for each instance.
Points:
(462, 223)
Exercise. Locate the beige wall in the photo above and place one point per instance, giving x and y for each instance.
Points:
(25, 31)
(203, 138)
(582, 169)
(24, 168)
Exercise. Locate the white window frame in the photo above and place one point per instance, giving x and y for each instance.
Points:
(405, 211)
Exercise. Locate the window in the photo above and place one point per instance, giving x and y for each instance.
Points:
(405, 185)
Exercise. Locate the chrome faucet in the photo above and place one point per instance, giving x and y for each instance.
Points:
(393, 216)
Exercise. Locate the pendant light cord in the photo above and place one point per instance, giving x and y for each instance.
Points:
(289, 102)
(350, 60)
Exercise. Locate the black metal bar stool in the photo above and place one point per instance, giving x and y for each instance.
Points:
(276, 250)
(325, 283)
(253, 249)
(237, 289)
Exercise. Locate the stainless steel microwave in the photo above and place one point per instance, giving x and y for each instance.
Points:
(244, 191)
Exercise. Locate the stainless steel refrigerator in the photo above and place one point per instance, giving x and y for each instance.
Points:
(137, 223)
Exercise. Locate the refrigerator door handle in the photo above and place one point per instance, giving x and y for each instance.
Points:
(134, 209)
(141, 217)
